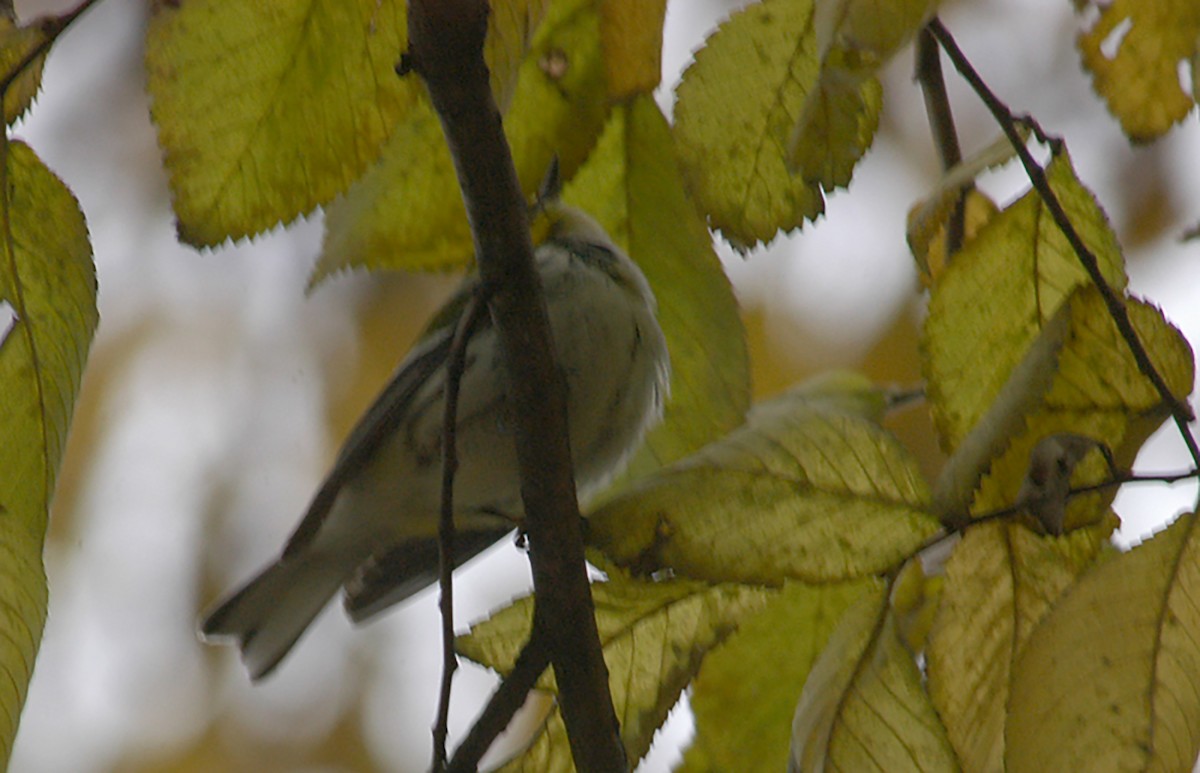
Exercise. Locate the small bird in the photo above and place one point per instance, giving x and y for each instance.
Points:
(372, 526)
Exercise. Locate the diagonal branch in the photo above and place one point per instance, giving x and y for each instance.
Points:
(446, 49)
(1180, 410)
(509, 697)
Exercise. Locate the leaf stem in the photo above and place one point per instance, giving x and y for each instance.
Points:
(1180, 410)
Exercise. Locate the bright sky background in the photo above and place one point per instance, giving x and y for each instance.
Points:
(209, 426)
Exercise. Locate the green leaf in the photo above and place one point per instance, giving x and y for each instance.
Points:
(1002, 288)
(1111, 678)
(654, 636)
(47, 278)
(631, 184)
(406, 211)
(1000, 581)
(745, 694)
(804, 490)
(864, 707)
(1135, 51)
(265, 110)
(735, 110)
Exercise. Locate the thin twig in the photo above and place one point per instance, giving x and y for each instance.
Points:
(1180, 410)
(1119, 478)
(455, 364)
(508, 698)
(941, 123)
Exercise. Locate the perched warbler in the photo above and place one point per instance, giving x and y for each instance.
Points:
(371, 528)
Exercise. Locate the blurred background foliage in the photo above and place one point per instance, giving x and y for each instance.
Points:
(218, 391)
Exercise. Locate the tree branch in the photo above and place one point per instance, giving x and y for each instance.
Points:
(455, 363)
(945, 136)
(446, 50)
(508, 698)
(1180, 410)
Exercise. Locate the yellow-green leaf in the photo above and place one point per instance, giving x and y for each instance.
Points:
(1097, 391)
(999, 292)
(265, 110)
(864, 707)
(406, 211)
(631, 184)
(870, 30)
(17, 43)
(745, 695)
(1000, 581)
(840, 115)
(836, 125)
(654, 636)
(1111, 678)
(632, 35)
(735, 110)
(804, 490)
(48, 281)
(1135, 51)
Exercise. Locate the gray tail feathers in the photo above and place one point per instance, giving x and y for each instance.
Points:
(393, 576)
(273, 610)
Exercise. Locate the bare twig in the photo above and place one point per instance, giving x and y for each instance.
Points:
(1180, 410)
(941, 123)
(446, 50)
(455, 363)
(1119, 478)
(509, 697)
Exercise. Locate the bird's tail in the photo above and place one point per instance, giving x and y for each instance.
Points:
(273, 610)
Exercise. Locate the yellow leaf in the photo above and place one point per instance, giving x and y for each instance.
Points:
(927, 229)
(406, 211)
(836, 125)
(999, 292)
(17, 43)
(803, 490)
(1111, 678)
(873, 30)
(864, 707)
(745, 695)
(265, 110)
(631, 34)
(48, 281)
(511, 28)
(1135, 51)
(654, 636)
(1000, 581)
(927, 220)
(632, 185)
(1097, 391)
(840, 115)
(735, 109)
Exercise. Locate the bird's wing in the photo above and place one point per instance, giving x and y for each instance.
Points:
(390, 408)
(392, 577)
